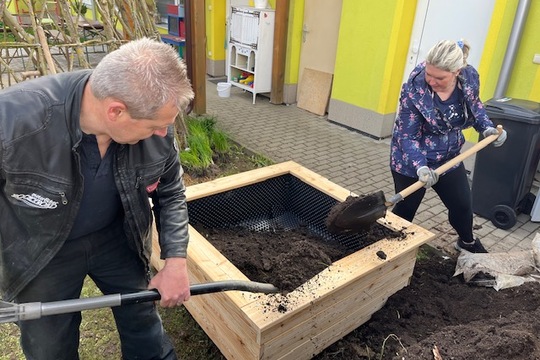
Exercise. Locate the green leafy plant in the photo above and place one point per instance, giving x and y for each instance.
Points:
(204, 143)
(220, 142)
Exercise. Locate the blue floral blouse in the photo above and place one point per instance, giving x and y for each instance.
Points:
(426, 133)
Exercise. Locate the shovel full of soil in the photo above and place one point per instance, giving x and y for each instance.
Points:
(357, 213)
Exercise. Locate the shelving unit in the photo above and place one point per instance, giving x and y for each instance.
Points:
(176, 27)
(250, 50)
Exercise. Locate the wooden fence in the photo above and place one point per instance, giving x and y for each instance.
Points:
(40, 37)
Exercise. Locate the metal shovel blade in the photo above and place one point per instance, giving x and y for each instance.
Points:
(356, 213)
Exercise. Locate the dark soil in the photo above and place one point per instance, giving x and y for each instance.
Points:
(287, 259)
(439, 313)
(436, 314)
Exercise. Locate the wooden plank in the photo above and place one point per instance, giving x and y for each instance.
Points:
(155, 259)
(361, 294)
(319, 182)
(195, 55)
(314, 91)
(226, 325)
(322, 293)
(280, 51)
(46, 51)
(238, 180)
(355, 317)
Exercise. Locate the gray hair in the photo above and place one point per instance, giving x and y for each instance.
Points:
(449, 55)
(145, 75)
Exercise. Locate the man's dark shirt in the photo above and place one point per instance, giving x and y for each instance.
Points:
(100, 203)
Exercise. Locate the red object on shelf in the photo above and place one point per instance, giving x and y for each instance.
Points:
(175, 10)
(176, 26)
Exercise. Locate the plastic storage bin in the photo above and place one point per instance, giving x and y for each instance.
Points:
(503, 176)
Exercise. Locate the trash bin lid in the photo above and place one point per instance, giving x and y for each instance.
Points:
(514, 109)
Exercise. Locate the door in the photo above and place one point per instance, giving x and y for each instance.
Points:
(450, 20)
(319, 36)
(447, 20)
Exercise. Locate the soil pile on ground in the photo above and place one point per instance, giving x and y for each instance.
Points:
(437, 313)
(440, 313)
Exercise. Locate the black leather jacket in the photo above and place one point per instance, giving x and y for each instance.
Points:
(41, 181)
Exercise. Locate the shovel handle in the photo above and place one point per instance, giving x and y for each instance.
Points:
(36, 310)
(200, 289)
(447, 166)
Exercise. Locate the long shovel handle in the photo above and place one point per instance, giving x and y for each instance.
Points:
(447, 166)
(28, 311)
(201, 289)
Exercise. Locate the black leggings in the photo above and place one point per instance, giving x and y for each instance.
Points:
(454, 191)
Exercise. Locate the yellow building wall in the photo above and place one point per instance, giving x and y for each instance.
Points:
(271, 3)
(373, 44)
(398, 47)
(495, 46)
(372, 47)
(525, 78)
(524, 82)
(294, 41)
(215, 29)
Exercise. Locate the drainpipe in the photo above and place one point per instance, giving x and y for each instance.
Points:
(511, 50)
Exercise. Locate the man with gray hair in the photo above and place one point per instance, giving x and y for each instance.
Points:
(81, 154)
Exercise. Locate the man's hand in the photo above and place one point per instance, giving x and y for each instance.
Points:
(492, 131)
(172, 282)
(428, 176)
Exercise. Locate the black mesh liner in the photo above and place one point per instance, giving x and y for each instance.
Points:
(282, 202)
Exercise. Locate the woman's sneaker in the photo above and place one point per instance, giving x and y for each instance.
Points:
(473, 247)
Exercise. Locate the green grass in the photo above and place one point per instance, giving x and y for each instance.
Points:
(9, 342)
(99, 338)
(260, 161)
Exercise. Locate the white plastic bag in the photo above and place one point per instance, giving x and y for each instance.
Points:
(508, 269)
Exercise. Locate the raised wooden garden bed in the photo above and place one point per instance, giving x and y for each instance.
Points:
(304, 322)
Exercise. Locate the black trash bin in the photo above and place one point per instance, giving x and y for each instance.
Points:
(503, 176)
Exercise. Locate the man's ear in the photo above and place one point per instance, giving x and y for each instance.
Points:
(116, 110)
